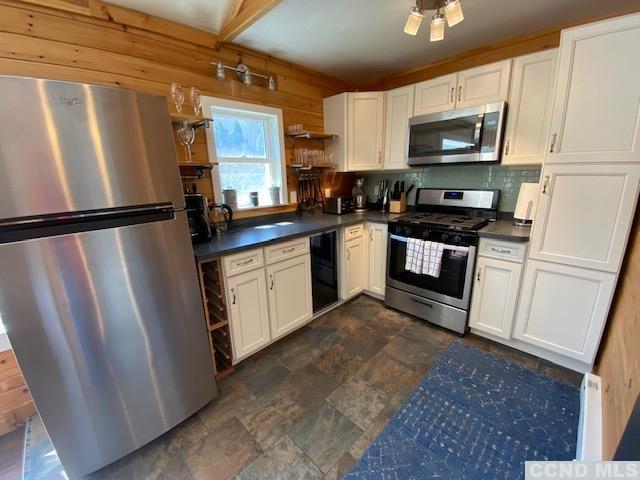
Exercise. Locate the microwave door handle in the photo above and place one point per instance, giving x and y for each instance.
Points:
(477, 135)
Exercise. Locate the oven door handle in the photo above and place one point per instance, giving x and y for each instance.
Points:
(398, 238)
(421, 302)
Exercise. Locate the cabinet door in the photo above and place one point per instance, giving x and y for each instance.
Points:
(399, 110)
(484, 84)
(248, 313)
(376, 255)
(595, 111)
(584, 214)
(435, 95)
(530, 102)
(353, 268)
(365, 131)
(495, 295)
(290, 304)
(564, 308)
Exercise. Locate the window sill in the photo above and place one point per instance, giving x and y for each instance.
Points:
(263, 210)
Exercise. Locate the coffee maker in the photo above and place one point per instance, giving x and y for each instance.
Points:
(197, 207)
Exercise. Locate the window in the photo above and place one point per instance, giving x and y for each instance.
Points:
(246, 141)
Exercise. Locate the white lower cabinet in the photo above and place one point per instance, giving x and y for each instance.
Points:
(290, 304)
(268, 302)
(495, 295)
(248, 312)
(564, 308)
(376, 257)
(353, 268)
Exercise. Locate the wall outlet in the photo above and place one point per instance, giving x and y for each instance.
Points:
(376, 190)
(293, 196)
(327, 192)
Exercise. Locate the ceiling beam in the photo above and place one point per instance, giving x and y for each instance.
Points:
(243, 14)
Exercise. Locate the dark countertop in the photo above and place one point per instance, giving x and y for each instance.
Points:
(505, 230)
(305, 224)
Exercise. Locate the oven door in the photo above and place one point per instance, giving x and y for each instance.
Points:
(464, 135)
(452, 287)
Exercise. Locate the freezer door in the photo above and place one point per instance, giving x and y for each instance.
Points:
(74, 147)
(108, 328)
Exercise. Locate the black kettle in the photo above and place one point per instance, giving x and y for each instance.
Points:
(221, 216)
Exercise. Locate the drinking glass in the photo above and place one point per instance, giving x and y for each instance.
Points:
(196, 100)
(177, 94)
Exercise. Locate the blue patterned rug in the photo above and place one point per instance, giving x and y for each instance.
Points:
(475, 416)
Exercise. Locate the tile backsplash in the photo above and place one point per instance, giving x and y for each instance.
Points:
(506, 179)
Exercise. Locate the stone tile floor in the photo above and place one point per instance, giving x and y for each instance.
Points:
(308, 406)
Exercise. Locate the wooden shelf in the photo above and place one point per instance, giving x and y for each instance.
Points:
(193, 120)
(309, 134)
(303, 166)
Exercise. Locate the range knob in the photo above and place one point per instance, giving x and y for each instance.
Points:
(457, 238)
(444, 237)
(407, 231)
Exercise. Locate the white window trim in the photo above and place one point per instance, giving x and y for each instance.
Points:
(278, 146)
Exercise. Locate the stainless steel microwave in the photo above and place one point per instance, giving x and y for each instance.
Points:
(472, 134)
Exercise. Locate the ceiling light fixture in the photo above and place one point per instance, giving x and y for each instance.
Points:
(437, 27)
(413, 21)
(452, 14)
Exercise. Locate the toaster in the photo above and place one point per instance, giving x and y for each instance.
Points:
(338, 205)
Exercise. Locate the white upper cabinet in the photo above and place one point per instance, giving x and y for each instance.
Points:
(530, 102)
(495, 296)
(476, 86)
(597, 101)
(584, 214)
(365, 125)
(564, 308)
(484, 84)
(358, 120)
(435, 95)
(290, 304)
(399, 109)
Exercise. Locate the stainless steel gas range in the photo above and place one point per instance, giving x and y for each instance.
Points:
(451, 218)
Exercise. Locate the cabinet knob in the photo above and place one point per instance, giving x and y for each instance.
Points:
(554, 137)
(460, 93)
(506, 146)
(453, 89)
(478, 274)
(271, 279)
(234, 296)
(348, 254)
(545, 185)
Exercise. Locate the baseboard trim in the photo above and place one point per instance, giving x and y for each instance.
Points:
(590, 423)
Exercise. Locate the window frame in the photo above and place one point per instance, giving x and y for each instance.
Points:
(274, 143)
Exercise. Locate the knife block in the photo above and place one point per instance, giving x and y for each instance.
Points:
(398, 206)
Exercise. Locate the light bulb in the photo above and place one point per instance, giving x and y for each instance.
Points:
(220, 73)
(437, 27)
(453, 12)
(272, 84)
(246, 77)
(413, 21)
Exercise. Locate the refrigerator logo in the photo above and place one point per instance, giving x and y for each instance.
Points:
(71, 101)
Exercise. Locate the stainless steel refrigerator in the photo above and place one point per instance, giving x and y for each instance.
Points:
(98, 285)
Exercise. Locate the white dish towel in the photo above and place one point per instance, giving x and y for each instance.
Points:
(414, 255)
(432, 258)
(424, 257)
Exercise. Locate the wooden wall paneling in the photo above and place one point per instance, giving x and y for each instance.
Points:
(618, 361)
(114, 46)
(16, 404)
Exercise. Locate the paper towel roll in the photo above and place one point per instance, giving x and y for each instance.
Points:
(526, 205)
